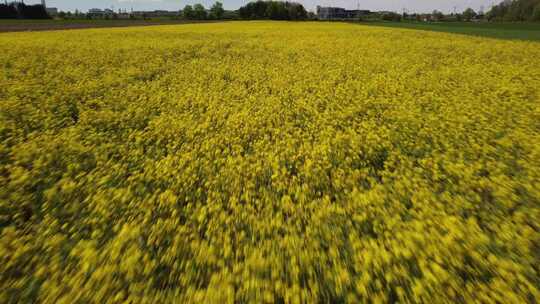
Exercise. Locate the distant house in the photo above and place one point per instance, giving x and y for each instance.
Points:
(333, 13)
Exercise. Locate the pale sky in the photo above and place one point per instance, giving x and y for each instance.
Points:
(393, 5)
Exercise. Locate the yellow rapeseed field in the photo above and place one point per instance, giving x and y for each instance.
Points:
(268, 162)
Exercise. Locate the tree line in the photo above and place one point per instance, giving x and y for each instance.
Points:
(199, 12)
(22, 11)
(508, 10)
(274, 10)
(515, 10)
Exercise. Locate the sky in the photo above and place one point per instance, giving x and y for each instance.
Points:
(446, 6)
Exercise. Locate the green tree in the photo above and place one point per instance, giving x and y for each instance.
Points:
(391, 16)
(188, 13)
(296, 11)
(276, 11)
(514, 10)
(217, 11)
(468, 14)
(199, 11)
(437, 15)
(536, 13)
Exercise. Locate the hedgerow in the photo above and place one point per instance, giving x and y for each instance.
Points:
(268, 162)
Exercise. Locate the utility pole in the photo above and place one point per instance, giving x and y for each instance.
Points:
(43, 4)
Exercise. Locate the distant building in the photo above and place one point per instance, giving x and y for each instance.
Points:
(99, 13)
(331, 13)
(52, 11)
(95, 11)
(156, 13)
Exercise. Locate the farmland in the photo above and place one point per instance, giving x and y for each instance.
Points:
(500, 30)
(22, 25)
(261, 162)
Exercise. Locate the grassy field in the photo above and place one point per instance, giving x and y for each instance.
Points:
(517, 30)
(268, 162)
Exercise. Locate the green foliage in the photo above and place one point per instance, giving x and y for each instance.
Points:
(217, 11)
(516, 10)
(274, 10)
(468, 14)
(437, 15)
(536, 13)
(20, 10)
(8, 11)
(391, 17)
(199, 12)
(188, 12)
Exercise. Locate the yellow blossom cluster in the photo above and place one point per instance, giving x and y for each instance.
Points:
(268, 162)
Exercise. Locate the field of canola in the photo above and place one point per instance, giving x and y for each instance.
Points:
(268, 162)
